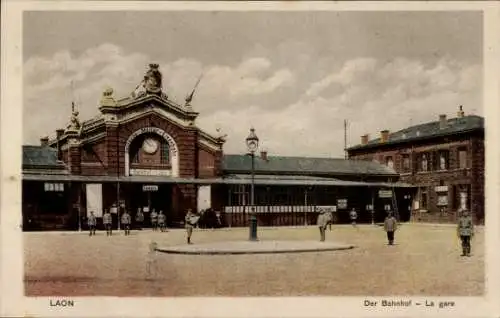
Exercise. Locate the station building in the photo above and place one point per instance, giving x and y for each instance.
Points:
(146, 152)
(443, 159)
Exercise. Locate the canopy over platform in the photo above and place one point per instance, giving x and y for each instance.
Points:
(231, 179)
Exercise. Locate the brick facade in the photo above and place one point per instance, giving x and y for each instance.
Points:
(454, 176)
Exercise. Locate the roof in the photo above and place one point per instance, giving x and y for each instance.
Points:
(429, 130)
(41, 156)
(304, 165)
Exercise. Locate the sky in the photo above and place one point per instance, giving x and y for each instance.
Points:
(293, 76)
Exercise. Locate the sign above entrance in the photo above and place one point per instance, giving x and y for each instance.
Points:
(149, 188)
(149, 172)
(385, 194)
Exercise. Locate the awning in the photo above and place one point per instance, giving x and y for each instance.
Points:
(232, 179)
(104, 179)
(305, 181)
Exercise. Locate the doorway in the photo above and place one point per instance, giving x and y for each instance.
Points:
(149, 197)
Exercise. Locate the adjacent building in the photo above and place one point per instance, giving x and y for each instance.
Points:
(443, 159)
(145, 152)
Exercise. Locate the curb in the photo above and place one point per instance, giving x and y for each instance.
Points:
(166, 251)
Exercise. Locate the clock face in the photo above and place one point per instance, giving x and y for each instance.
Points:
(150, 146)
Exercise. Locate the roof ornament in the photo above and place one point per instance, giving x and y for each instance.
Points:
(189, 97)
(107, 98)
(220, 135)
(74, 123)
(137, 92)
(153, 80)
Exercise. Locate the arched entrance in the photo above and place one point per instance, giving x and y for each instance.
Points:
(150, 151)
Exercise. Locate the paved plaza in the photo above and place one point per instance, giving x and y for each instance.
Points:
(425, 261)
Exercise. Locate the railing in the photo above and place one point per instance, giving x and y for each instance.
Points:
(274, 215)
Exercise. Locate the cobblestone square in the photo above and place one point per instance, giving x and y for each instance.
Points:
(425, 261)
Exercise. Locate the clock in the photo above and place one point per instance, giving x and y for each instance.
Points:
(150, 146)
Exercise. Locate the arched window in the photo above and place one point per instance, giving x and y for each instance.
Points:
(165, 152)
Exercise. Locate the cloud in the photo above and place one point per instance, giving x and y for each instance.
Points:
(296, 103)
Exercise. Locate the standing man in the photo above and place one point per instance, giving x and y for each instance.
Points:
(323, 220)
(191, 219)
(390, 226)
(353, 215)
(154, 220)
(92, 222)
(162, 219)
(465, 231)
(330, 216)
(126, 220)
(106, 220)
(139, 218)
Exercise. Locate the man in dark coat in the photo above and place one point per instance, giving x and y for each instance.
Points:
(390, 226)
(465, 230)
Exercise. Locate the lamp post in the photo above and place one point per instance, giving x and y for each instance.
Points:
(252, 142)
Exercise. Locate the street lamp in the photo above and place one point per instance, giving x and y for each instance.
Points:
(252, 142)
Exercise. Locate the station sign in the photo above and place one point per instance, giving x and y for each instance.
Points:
(149, 188)
(385, 194)
(150, 172)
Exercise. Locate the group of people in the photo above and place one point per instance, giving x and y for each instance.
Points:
(158, 221)
(465, 227)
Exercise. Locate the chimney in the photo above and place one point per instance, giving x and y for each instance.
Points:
(364, 139)
(442, 121)
(460, 113)
(59, 133)
(263, 155)
(384, 136)
(44, 142)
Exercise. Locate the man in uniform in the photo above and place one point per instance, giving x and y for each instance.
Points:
(353, 215)
(139, 218)
(465, 230)
(162, 219)
(390, 226)
(323, 220)
(154, 220)
(106, 220)
(191, 219)
(330, 216)
(126, 220)
(92, 221)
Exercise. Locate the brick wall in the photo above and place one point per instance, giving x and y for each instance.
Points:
(473, 175)
(206, 163)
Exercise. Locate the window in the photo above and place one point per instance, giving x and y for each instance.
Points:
(423, 163)
(442, 160)
(406, 163)
(165, 152)
(239, 195)
(461, 198)
(462, 158)
(54, 187)
(389, 162)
